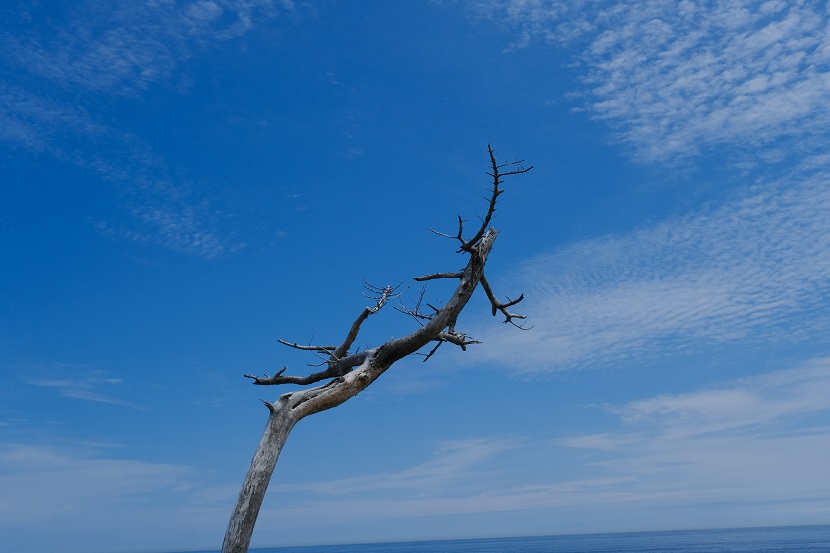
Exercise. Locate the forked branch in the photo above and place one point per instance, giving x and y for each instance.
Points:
(502, 307)
(334, 369)
(382, 295)
(437, 326)
(338, 362)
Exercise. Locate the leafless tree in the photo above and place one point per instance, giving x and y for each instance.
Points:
(348, 373)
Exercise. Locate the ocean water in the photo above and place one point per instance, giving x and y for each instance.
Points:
(789, 539)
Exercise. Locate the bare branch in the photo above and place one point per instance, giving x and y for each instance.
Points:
(458, 274)
(433, 350)
(385, 293)
(417, 316)
(496, 174)
(335, 369)
(457, 338)
(502, 307)
(438, 326)
(295, 345)
(458, 236)
(416, 312)
(452, 337)
(432, 230)
(380, 293)
(518, 164)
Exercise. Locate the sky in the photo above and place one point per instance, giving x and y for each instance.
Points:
(185, 182)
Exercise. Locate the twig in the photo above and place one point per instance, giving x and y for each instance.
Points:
(295, 345)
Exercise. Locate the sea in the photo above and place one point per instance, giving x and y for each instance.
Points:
(777, 539)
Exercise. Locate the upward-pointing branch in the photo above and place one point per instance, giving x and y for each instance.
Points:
(497, 175)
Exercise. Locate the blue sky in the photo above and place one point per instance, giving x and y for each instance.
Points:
(185, 182)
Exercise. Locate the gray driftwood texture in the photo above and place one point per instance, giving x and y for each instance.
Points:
(347, 374)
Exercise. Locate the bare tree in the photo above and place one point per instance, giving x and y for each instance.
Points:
(349, 373)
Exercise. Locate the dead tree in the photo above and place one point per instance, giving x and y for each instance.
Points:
(348, 373)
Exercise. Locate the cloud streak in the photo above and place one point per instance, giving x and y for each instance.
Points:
(88, 387)
(123, 47)
(452, 465)
(40, 483)
(748, 403)
(100, 503)
(162, 209)
(103, 50)
(760, 439)
(755, 447)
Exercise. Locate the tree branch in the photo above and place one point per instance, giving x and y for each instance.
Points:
(466, 245)
(337, 367)
(499, 306)
(457, 274)
(295, 345)
(385, 293)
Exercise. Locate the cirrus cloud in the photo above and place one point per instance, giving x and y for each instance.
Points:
(677, 79)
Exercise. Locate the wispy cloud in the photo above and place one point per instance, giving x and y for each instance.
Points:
(49, 104)
(163, 210)
(752, 270)
(759, 403)
(358, 511)
(754, 448)
(100, 503)
(92, 386)
(121, 47)
(81, 479)
(453, 465)
(677, 78)
(762, 438)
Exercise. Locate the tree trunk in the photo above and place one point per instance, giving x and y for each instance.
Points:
(287, 412)
(241, 526)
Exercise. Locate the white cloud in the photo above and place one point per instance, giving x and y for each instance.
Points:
(753, 450)
(97, 503)
(25, 117)
(760, 439)
(675, 79)
(747, 403)
(121, 47)
(117, 49)
(41, 483)
(452, 466)
(163, 210)
(754, 270)
(88, 387)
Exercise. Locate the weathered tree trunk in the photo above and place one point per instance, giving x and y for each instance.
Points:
(287, 412)
(350, 374)
(241, 526)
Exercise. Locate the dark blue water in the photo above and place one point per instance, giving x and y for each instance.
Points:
(788, 539)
